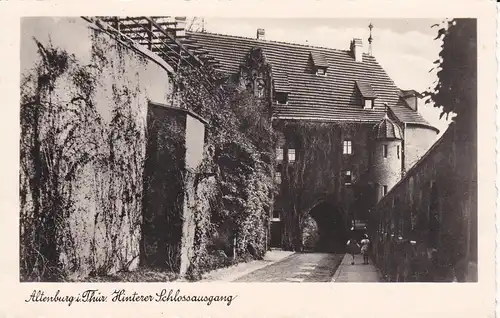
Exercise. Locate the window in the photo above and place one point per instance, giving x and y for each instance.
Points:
(276, 215)
(321, 71)
(279, 154)
(347, 147)
(348, 177)
(291, 155)
(281, 98)
(385, 150)
(368, 104)
(384, 190)
(398, 150)
(277, 177)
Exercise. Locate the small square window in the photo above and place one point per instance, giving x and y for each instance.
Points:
(347, 147)
(385, 150)
(279, 154)
(276, 215)
(321, 71)
(281, 98)
(291, 155)
(277, 177)
(348, 177)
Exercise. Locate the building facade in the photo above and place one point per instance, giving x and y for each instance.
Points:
(349, 133)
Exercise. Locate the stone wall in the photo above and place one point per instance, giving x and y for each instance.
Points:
(174, 154)
(425, 229)
(84, 99)
(195, 136)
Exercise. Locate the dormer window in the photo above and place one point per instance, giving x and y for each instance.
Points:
(320, 65)
(281, 98)
(368, 103)
(367, 94)
(321, 71)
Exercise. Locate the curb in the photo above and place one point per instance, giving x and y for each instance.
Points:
(339, 270)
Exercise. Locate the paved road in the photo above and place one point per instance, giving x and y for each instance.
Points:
(299, 267)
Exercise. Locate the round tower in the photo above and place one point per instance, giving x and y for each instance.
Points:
(387, 139)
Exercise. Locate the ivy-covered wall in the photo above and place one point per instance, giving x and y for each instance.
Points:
(84, 100)
(103, 186)
(233, 187)
(320, 145)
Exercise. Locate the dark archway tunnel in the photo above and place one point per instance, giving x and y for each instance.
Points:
(332, 228)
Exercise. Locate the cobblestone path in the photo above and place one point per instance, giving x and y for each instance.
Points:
(299, 267)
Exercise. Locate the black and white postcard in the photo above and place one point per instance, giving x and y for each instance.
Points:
(259, 160)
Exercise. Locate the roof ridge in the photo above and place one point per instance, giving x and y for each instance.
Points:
(277, 42)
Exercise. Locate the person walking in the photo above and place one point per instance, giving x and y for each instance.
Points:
(365, 243)
(352, 247)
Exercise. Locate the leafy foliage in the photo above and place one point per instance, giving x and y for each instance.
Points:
(239, 157)
(82, 165)
(317, 146)
(456, 90)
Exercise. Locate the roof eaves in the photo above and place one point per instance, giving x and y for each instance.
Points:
(323, 118)
(409, 93)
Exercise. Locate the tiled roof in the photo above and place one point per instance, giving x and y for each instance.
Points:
(282, 84)
(405, 114)
(387, 129)
(334, 97)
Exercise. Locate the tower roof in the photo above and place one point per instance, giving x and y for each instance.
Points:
(387, 129)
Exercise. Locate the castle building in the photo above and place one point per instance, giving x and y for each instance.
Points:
(375, 130)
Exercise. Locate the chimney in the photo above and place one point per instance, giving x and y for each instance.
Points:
(261, 34)
(411, 97)
(357, 50)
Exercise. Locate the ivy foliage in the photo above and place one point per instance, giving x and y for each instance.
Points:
(317, 146)
(81, 167)
(239, 157)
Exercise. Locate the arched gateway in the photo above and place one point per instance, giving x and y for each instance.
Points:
(332, 228)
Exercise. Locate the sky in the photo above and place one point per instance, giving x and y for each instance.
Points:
(405, 48)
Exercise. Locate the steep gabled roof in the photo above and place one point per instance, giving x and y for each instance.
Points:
(334, 97)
